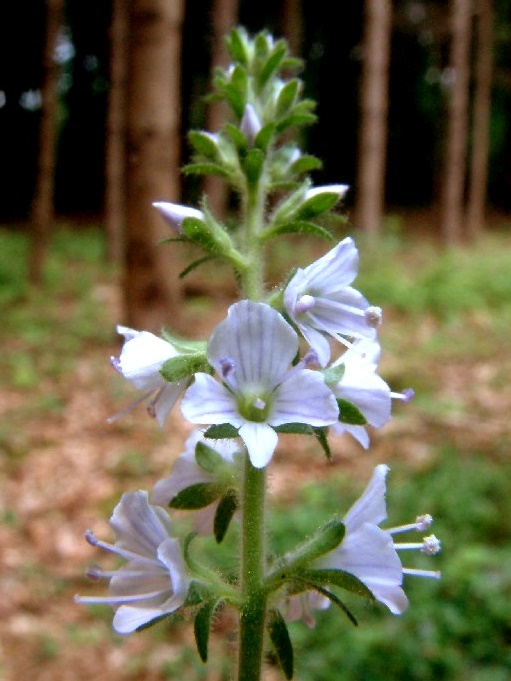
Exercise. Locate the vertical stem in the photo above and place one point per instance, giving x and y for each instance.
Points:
(253, 280)
(252, 617)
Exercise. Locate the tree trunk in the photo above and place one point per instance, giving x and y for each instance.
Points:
(224, 15)
(452, 200)
(292, 25)
(42, 210)
(115, 161)
(481, 120)
(152, 289)
(373, 124)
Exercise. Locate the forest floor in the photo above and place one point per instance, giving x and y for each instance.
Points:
(63, 467)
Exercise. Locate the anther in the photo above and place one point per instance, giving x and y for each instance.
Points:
(373, 316)
(305, 304)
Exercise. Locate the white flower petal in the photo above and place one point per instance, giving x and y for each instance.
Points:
(358, 432)
(142, 357)
(260, 440)
(167, 399)
(304, 398)
(370, 507)
(207, 401)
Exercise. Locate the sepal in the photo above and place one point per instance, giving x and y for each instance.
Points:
(208, 458)
(221, 431)
(202, 626)
(339, 578)
(196, 496)
(334, 374)
(350, 414)
(281, 642)
(183, 366)
(325, 539)
(227, 507)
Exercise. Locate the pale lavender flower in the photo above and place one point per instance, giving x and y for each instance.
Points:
(175, 213)
(361, 385)
(142, 357)
(186, 472)
(153, 582)
(252, 350)
(320, 300)
(250, 124)
(369, 553)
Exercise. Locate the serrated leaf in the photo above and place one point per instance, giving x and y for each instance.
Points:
(349, 413)
(221, 431)
(281, 641)
(182, 366)
(196, 496)
(206, 169)
(227, 507)
(207, 457)
(202, 626)
(194, 265)
(287, 97)
(272, 63)
(343, 580)
(203, 144)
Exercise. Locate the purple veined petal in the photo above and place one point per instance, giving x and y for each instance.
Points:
(260, 440)
(334, 270)
(169, 553)
(368, 553)
(371, 506)
(259, 342)
(304, 398)
(139, 527)
(339, 316)
(142, 357)
(185, 472)
(208, 401)
(317, 341)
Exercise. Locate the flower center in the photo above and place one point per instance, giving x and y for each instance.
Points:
(254, 407)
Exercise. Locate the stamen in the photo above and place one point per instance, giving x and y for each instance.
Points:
(305, 304)
(310, 357)
(431, 545)
(94, 572)
(124, 553)
(406, 396)
(151, 407)
(130, 407)
(434, 574)
(114, 600)
(227, 366)
(421, 524)
(116, 363)
(373, 316)
(259, 404)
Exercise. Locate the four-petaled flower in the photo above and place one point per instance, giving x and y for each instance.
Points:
(186, 472)
(369, 552)
(320, 300)
(142, 357)
(153, 582)
(252, 350)
(361, 385)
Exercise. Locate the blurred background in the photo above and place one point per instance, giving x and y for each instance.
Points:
(414, 102)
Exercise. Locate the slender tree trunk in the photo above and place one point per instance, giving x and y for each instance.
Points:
(224, 15)
(452, 199)
(374, 108)
(115, 162)
(481, 120)
(153, 134)
(42, 211)
(292, 25)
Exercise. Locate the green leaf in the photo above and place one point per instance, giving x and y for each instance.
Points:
(227, 507)
(209, 235)
(237, 137)
(261, 45)
(196, 496)
(202, 626)
(317, 205)
(239, 81)
(236, 46)
(297, 227)
(287, 97)
(295, 429)
(334, 374)
(183, 366)
(264, 136)
(339, 578)
(221, 431)
(306, 163)
(349, 413)
(235, 99)
(295, 119)
(206, 169)
(253, 165)
(321, 436)
(193, 265)
(281, 641)
(337, 601)
(203, 144)
(272, 63)
(207, 457)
